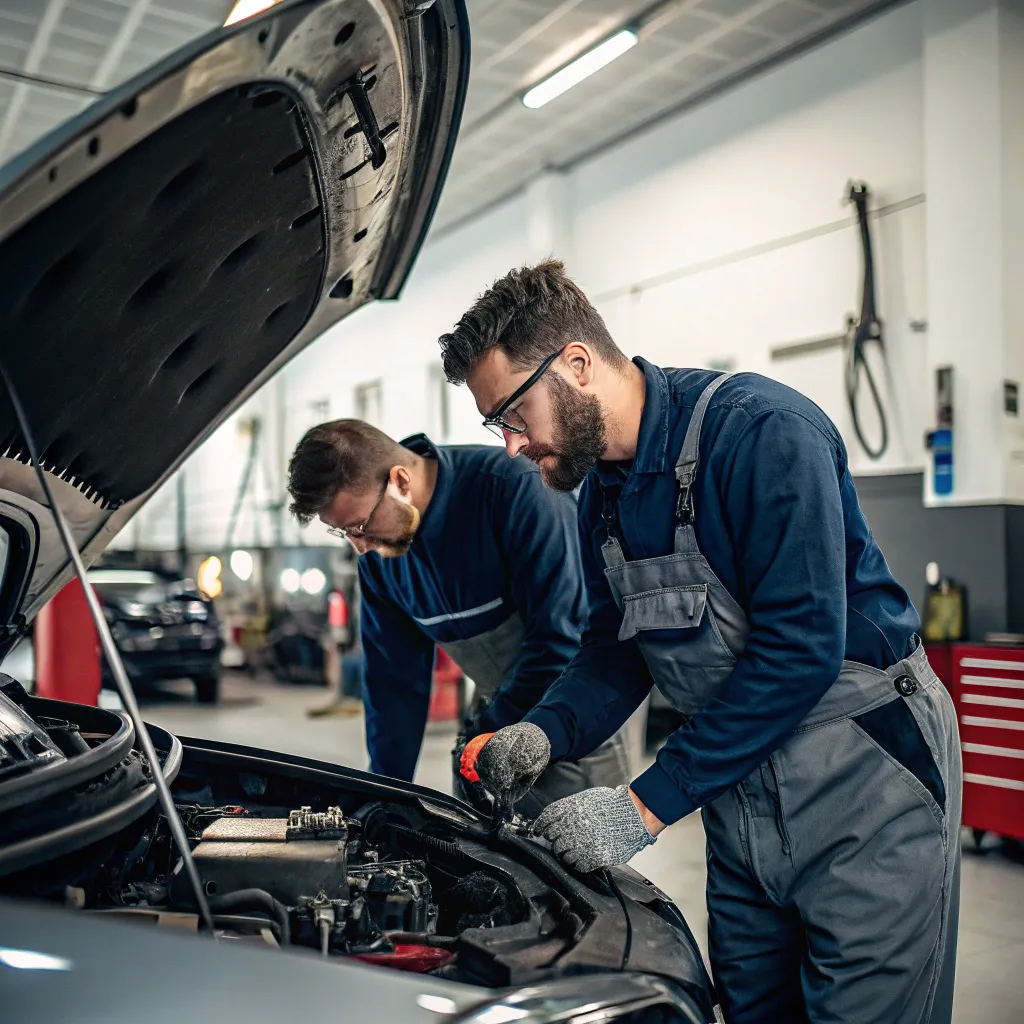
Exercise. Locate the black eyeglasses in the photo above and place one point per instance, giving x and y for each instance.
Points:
(344, 532)
(502, 418)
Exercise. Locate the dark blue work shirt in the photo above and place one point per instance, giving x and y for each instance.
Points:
(494, 541)
(777, 518)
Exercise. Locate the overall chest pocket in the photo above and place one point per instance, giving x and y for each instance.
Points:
(675, 624)
(675, 629)
(666, 610)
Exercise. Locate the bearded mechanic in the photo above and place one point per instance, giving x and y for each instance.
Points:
(462, 549)
(728, 562)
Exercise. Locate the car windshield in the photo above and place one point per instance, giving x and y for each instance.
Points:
(129, 585)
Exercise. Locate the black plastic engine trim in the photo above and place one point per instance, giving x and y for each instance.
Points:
(45, 782)
(78, 834)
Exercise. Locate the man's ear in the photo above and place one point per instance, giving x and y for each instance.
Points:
(581, 362)
(401, 479)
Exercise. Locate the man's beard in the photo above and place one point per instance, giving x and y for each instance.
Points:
(395, 547)
(579, 436)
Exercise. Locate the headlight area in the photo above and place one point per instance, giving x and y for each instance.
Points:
(592, 999)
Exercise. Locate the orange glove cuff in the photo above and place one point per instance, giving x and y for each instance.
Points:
(467, 763)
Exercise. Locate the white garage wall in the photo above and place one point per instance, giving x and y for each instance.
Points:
(396, 342)
(710, 237)
(730, 221)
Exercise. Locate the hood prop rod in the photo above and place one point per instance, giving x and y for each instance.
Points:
(124, 686)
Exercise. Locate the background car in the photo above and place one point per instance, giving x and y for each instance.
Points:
(164, 628)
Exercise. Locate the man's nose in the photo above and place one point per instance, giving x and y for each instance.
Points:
(515, 443)
(360, 544)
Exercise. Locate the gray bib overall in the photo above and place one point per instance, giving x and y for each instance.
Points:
(489, 659)
(833, 868)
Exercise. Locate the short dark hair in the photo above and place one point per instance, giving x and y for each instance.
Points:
(529, 314)
(338, 456)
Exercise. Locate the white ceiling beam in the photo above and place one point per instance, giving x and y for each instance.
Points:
(538, 28)
(115, 52)
(33, 59)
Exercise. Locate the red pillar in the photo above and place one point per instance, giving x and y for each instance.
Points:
(67, 649)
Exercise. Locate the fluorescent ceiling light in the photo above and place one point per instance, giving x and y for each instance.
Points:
(582, 67)
(247, 8)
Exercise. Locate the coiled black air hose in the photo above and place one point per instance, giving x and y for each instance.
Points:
(867, 328)
(259, 900)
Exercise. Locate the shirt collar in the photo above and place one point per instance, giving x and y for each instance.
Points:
(652, 441)
(439, 500)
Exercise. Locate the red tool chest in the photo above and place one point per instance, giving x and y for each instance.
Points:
(987, 685)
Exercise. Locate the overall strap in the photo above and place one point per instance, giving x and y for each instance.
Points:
(686, 468)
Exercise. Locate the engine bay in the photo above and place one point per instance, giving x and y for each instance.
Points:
(298, 855)
(289, 853)
(362, 886)
(382, 883)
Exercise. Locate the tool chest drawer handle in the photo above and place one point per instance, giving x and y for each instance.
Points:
(992, 780)
(987, 748)
(1005, 684)
(993, 663)
(991, 723)
(994, 702)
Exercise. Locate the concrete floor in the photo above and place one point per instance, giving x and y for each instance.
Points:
(990, 973)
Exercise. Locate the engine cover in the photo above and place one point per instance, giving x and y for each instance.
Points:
(295, 859)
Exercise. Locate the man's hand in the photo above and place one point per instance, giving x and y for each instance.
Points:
(596, 828)
(510, 761)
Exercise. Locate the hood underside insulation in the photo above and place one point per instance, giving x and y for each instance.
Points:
(137, 305)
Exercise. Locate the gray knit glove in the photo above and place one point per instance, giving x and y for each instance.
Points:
(512, 760)
(594, 829)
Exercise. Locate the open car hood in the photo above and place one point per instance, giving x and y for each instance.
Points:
(164, 253)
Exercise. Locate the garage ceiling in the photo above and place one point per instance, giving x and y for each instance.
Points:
(57, 55)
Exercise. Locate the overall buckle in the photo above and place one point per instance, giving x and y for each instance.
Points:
(684, 510)
(609, 512)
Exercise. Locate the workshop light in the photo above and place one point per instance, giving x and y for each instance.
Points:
(582, 67)
(247, 8)
(241, 565)
(291, 581)
(208, 577)
(313, 581)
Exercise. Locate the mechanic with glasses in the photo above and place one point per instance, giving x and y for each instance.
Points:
(463, 549)
(729, 564)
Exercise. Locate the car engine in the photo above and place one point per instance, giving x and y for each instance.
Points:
(344, 886)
